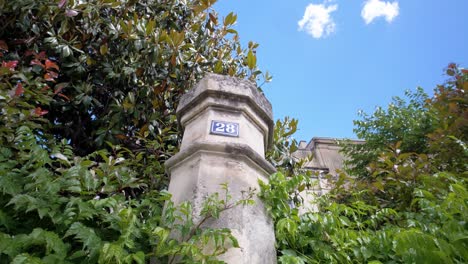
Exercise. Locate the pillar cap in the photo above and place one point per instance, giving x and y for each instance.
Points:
(236, 89)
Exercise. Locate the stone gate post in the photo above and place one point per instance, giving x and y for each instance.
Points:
(227, 127)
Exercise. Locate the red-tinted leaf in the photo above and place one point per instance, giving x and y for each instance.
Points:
(59, 87)
(19, 89)
(45, 88)
(28, 53)
(465, 71)
(11, 65)
(140, 71)
(62, 3)
(38, 111)
(50, 64)
(37, 62)
(3, 45)
(213, 18)
(121, 136)
(64, 96)
(50, 76)
(41, 55)
(53, 74)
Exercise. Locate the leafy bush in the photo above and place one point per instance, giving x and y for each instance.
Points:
(88, 92)
(432, 230)
(410, 204)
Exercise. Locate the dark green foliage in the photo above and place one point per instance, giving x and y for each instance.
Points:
(59, 208)
(88, 93)
(432, 230)
(118, 68)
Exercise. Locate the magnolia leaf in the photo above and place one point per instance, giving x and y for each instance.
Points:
(103, 49)
(230, 19)
(218, 68)
(251, 60)
(150, 26)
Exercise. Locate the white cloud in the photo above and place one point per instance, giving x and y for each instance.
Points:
(375, 8)
(317, 20)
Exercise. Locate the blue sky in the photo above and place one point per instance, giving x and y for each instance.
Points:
(349, 55)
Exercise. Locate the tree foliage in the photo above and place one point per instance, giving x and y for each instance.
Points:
(421, 125)
(404, 122)
(410, 204)
(88, 93)
(116, 69)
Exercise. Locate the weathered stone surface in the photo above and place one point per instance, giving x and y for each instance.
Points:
(327, 160)
(227, 98)
(200, 171)
(233, 150)
(206, 161)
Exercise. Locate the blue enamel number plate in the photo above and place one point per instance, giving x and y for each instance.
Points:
(223, 128)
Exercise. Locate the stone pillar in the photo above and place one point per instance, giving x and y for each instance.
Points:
(227, 127)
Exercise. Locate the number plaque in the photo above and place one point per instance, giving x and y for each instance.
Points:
(229, 129)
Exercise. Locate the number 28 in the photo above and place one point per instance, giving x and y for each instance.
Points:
(225, 128)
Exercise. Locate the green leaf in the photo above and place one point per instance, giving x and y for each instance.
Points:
(251, 60)
(150, 26)
(218, 68)
(230, 19)
(232, 31)
(86, 236)
(139, 257)
(103, 49)
(112, 253)
(25, 258)
(66, 51)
